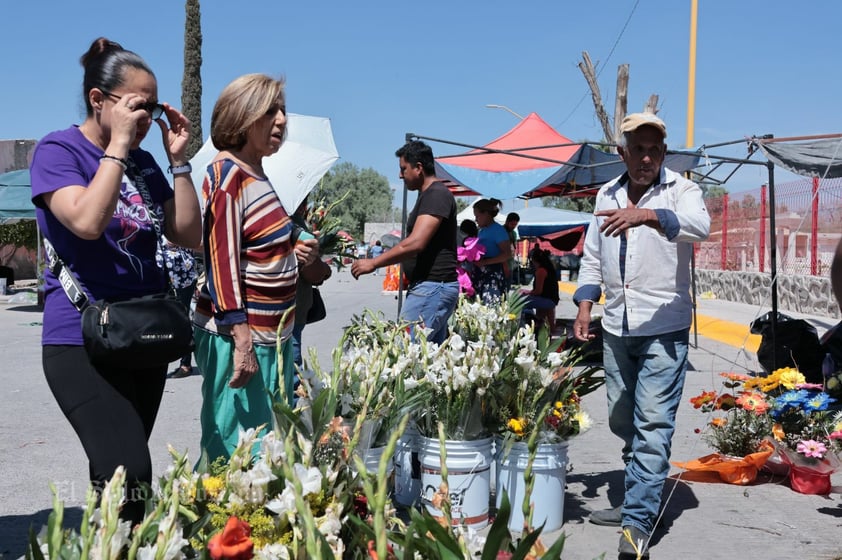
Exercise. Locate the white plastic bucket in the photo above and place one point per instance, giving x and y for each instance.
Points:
(372, 461)
(407, 469)
(564, 276)
(550, 472)
(468, 476)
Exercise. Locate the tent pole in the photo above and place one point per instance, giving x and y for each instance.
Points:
(400, 269)
(773, 261)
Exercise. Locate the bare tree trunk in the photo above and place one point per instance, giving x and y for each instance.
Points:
(651, 104)
(621, 100)
(590, 75)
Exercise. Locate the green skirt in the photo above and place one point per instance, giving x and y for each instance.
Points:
(227, 411)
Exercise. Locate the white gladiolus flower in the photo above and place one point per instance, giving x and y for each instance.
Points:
(310, 478)
(272, 552)
(283, 504)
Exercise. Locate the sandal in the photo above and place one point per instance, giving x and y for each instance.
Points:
(181, 371)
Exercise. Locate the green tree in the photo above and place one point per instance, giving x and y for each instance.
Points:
(575, 203)
(461, 203)
(370, 199)
(191, 82)
(714, 191)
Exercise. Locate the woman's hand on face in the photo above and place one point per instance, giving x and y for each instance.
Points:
(124, 118)
(176, 135)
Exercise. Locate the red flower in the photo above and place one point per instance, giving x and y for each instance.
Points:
(726, 402)
(233, 542)
(361, 505)
(707, 397)
(754, 402)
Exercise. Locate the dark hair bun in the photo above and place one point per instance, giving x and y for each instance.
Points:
(99, 47)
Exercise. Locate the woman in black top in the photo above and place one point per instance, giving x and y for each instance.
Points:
(543, 297)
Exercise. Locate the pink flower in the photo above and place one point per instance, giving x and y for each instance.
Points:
(471, 250)
(835, 435)
(465, 283)
(812, 448)
(810, 386)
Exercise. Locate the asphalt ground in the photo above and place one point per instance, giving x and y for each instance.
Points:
(707, 520)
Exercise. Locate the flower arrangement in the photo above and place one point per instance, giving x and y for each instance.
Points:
(539, 391)
(277, 498)
(302, 491)
(780, 412)
(493, 375)
(332, 240)
(374, 374)
(743, 424)
(802, 420)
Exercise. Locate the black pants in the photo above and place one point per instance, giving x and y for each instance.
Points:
(112, 412)
(185, 296)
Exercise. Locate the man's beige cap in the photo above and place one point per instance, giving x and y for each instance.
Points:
(635, 120)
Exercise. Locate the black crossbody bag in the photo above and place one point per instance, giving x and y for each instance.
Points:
(135, 333)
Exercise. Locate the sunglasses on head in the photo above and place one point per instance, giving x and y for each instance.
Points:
(156, 110)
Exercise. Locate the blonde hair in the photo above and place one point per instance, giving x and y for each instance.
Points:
(240, 105)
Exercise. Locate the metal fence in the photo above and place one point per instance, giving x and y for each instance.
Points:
(808, 225)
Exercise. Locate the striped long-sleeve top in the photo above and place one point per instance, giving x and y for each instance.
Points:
(250, 264)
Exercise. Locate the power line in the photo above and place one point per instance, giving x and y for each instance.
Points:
(603, 65)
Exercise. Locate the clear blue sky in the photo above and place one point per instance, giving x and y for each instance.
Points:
(381, 69)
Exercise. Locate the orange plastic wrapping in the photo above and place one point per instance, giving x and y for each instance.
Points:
(733, 470)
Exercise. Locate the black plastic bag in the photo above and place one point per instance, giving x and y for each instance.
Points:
(317, 311)
(796, 345)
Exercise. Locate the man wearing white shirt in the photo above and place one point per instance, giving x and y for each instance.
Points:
(638, 247)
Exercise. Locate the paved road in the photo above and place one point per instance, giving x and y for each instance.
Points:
(711, 521)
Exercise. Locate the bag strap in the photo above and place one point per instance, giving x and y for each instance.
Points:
(69, 282)
(72, 286)
(134, 175)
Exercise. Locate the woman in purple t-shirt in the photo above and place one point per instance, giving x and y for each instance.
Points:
(96, 219)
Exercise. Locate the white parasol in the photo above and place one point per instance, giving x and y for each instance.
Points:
(304, 157)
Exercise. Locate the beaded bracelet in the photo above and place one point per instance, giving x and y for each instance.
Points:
(119, 161)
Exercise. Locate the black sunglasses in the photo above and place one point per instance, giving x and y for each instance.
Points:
(156, 110)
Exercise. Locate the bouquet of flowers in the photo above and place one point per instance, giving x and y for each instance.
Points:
(539, 390)
(375, 375)
(807, 434)
(493, 375)
(332, 240)
(740, 422)
(779, 413)
(738, 429)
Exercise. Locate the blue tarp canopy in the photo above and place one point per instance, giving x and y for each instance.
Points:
(538, 220)
(16, 196)
(532, 160)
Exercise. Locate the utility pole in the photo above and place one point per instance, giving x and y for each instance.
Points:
(587, 68)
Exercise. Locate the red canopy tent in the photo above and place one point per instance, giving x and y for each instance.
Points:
(526, 154)
(533, 160)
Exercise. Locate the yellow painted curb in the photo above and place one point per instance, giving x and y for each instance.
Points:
(732, 334)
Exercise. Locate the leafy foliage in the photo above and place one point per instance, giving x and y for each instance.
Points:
(370, 199)
(575, 203)
(19, 234)
(191, 82)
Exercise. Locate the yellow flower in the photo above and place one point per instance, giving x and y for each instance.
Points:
(517, 425)
(583, 419)
(212, 486)
(778, 432)
(790, 377)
